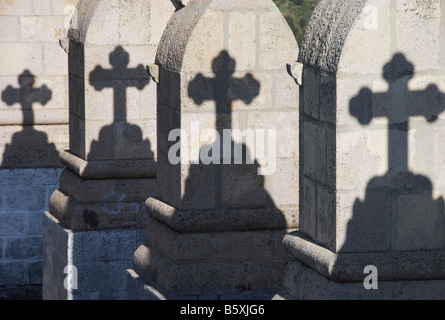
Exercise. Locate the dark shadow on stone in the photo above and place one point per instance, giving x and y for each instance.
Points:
(29, 148)
(235, 183)
(229, 185)
(399, 212)
(118, 141)
(120, 136)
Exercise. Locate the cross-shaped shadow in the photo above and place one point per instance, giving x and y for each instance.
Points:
(231, 180)
(399, 213)
(29, 147)
(120, 134)
(120, 140)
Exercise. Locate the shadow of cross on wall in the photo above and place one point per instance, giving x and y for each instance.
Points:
(398, 212)
(29, 147)
(120, 139)
(229, 181)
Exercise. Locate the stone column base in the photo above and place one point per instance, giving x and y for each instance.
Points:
(207, 261)
(101, 202)
(100, 259)
(303, 283)
(317, 273)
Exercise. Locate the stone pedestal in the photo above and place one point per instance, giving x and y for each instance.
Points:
(102, 194)
(95, 224)
(226, 254)
(216, 226)
(304, 283)
(371, 198)
(96, 216)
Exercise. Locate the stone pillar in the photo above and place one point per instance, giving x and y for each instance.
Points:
(96, 216)
(215, 229)
(372, 213)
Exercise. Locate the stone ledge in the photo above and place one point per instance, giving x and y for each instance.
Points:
(106, 190)
(262, 245)
(109, 169)
(303, 283)
(223, 219)
(95, 216)
(221, 278)
(225, 253)
(348, 267)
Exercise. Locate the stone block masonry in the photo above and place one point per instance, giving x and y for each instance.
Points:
(29, 40)
(24, 195)
(99, 264)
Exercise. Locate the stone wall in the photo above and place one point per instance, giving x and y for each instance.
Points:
(24, 195)
(33, 129)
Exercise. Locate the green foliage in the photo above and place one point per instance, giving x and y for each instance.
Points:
(297, 14)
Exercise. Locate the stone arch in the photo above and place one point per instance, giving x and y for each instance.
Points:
(99, 17)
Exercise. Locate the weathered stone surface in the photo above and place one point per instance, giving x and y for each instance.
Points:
(41, 28)
(111, 163)
(201, 71)
(138, 290)
(209, 278)
(344, 267)
(109, 168)
(303, 283)
(222, 220)
(21, 229)
(100, 264)
(30, 52)
(105, 68)
(26, 54)
(223, 66)
(10, 29)
(16, 8)
(420, 23)
(105, 190)
(321, 37)
(370, 101)
(111, 135)
(113, 212)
